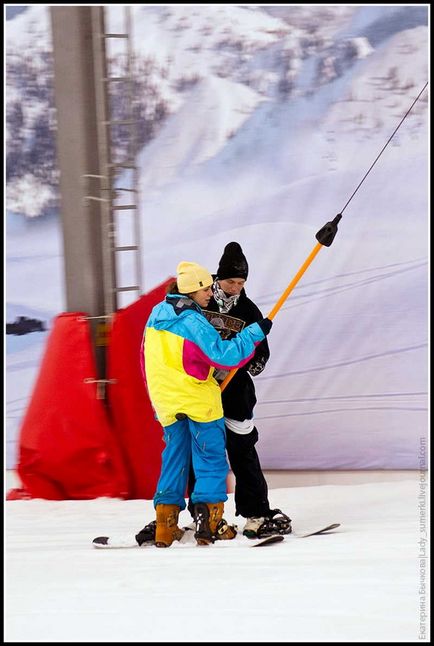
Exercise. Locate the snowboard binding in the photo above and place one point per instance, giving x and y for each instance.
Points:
(147, 534)
(275, 523)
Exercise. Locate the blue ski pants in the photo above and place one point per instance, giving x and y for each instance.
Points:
(204, 444)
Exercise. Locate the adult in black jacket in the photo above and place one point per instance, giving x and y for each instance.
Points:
(233, 309)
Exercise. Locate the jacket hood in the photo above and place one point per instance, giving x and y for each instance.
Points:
(166, 314)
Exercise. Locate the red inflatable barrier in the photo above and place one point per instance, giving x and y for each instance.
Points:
(67, 448)
(132, 415)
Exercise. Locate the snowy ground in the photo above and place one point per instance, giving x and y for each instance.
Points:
(363, 583)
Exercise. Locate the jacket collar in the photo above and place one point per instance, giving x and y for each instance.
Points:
(181, 303)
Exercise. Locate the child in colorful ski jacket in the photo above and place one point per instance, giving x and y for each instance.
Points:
(181, 351)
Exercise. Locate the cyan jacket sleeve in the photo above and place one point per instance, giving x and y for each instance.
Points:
(222, 354)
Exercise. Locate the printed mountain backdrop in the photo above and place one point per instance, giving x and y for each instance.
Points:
(257, 125)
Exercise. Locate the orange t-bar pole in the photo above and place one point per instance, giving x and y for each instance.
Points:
(325, 237)
(280, 302)
(294, 281)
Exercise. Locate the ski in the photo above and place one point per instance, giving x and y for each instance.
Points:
(128, 542)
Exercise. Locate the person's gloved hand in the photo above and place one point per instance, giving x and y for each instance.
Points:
(265, 325)
(256, 366)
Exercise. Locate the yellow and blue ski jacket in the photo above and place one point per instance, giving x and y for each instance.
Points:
(181, 351)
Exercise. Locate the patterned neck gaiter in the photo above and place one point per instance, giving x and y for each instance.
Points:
(224, 301)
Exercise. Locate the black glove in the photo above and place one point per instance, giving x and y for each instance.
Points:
(256, 366)
(265, 325)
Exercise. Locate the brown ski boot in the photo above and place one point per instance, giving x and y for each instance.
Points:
(167, 529)
(210, 524)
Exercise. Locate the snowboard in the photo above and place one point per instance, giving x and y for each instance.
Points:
(280, 537)
(105, 542)
(317, 532)
(128, 542)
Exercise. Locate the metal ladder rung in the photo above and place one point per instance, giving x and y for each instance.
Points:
(120, 122)
(95, 199)
(134, 288)
(129, 166)
(115, 35)
(124, 207)
(127, 248)
(108, 79)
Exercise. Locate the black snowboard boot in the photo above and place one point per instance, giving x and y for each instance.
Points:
(147, 534)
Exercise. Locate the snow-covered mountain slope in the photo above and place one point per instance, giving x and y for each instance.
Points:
(215, 109)
(374, 101)
(274, 53)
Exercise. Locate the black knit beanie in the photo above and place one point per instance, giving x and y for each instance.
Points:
(233, 263)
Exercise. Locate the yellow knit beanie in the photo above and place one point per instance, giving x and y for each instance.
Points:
(191, 277)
